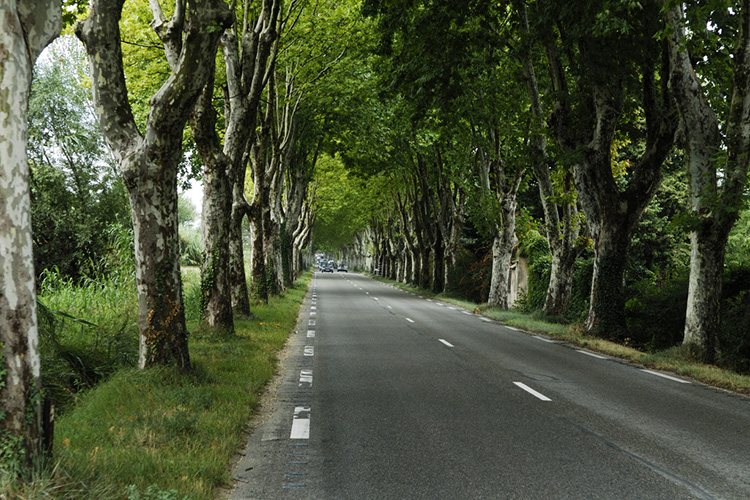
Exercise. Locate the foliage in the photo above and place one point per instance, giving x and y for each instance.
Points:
(78, 353)
(76, 196)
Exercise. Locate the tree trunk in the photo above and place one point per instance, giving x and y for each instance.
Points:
(24, 31)
(438, 267)
(606, 316)
(216, 292)
(237, 277)
(149, 163)
(715, 203)
(703, 317)
(502, 253)
(557, 299)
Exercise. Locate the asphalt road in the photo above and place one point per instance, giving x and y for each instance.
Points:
(386, 395)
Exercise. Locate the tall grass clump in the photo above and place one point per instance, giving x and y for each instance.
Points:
(88, 328)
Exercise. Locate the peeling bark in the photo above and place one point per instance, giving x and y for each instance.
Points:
(149, 162)
(26, 27)
(715, 205)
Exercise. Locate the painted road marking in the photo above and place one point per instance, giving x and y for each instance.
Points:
(467, 312)
(389, 307)
(410, 320)
(309, 350)
(311, 322)
(305, 377)
(310, 334)
(545, 340)
(446, 342)
(301, 423)
(487, 320)
(375, 298)
(312, 313)
(664, 375)
(312, 308)
(599, 356)
(532, 391)
(513, 328)
(451, 308)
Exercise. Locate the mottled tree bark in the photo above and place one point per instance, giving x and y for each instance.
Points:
(216, 292)
(560, 208)
(149, 162)
(589, 133)
(26, 27)
(715, 205)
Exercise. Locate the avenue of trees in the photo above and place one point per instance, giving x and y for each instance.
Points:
(432, 140)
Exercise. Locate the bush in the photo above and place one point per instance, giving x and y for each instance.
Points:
(655, 315)
(734, 338)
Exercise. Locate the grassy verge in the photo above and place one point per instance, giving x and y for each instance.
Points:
(161, 434)
(675, 360)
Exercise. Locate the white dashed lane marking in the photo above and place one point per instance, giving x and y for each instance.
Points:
(532, 391)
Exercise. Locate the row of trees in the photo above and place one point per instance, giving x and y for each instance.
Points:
(587, 102)
(230, 89)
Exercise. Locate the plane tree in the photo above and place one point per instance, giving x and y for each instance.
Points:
(709, 51)
(148, 160)
(609, 81)
(26, 28)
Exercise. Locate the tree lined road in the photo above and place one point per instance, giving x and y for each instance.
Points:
(389, 395)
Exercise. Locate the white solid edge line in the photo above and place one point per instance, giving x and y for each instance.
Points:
(446, 342)
(545, 340)
(532, 391)
(664, 375)
(410, 320)
(599, 356)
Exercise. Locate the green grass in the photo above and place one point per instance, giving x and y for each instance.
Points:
(676, 360)
(159, 433)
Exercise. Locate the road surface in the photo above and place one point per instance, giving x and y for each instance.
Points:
(387, 395)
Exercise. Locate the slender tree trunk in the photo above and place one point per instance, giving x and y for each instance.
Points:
(216, 291)
(25, 29)
(437, 285)
(237, 277)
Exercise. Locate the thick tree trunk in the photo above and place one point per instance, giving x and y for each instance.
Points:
(703, 318)
(437, 284)
(715, 203)
(502, 253)
(606, 316)
(24, 31)
(557, 299)
(149, 163)
(161, 316)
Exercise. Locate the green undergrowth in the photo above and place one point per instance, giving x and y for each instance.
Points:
(676, 360)
(163, 434)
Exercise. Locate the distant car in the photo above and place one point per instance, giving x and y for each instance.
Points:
(327, 269)
(343, 269)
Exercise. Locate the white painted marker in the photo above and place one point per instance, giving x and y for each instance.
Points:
(301, 423)
(664, 375)
(598, 356)
(545, 340)
(310, 334)
(410, 320)
(446, 342)
(532, 391)
(305, 377)
(309, 350)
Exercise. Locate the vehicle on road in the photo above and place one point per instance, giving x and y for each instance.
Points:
(342, 268)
